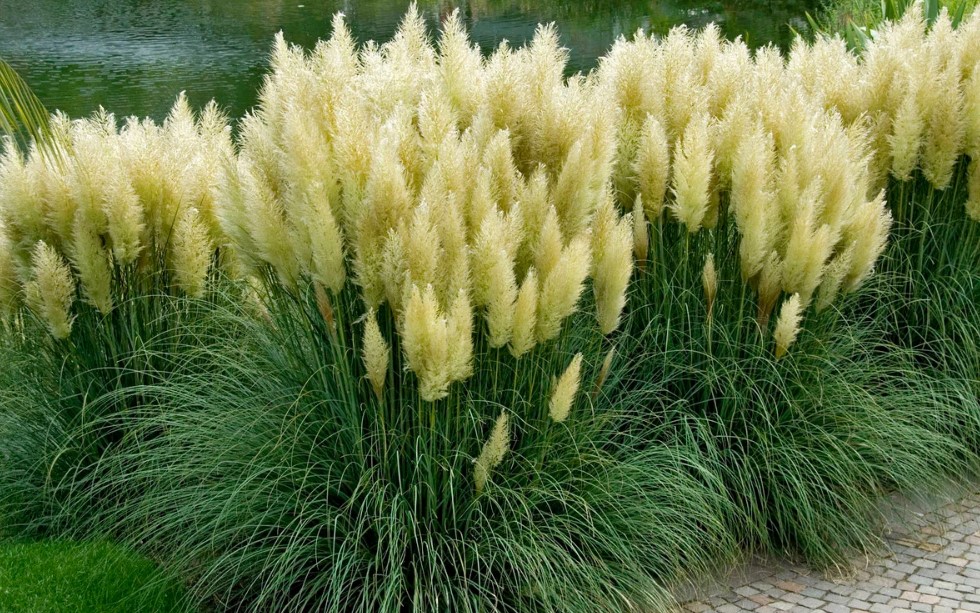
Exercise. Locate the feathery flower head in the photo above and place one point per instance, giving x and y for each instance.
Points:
(652, 166)
(190, 254)
(788, 324)
(493, 452)
(709, 281)
(562, 288)
(376, 354)
(564, 390)
(692, 174)
(51, 290)
(525, 315)
(612, 250)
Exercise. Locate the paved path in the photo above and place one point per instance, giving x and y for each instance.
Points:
(932, 563)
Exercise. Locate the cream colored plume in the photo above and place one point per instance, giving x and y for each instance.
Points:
(525, 315)
(752, 201)
(51, 290)
(808, 247)
(562, 288)
(376, 354)
(867, 234)
(549, 246)
(493, 452)
(652, 166)
(692, 174)
(190, 254)
(788, 324)
(438, 347)
(905, 141)
(564, 390)
(93, 263)
(612, 249)
(942, 102)
(833, 279)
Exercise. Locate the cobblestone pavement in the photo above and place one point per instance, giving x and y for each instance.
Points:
(932, 563)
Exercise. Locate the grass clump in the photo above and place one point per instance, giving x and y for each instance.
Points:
(752, 235)
(284, 483)
(914, 88)
(454, 331)
(386, 432)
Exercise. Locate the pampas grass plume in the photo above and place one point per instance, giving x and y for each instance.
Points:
(376, 354)
(93, 263)
(769, 288)
(942, 103)
(868, 232)
(425, 341)
(525, 315)
(905, 141)
(652, 166)
(788, 324)
(459, 328)
(751, 201)
(562, 288)
(833, 279)
(612, 248)
(500, 306)
(326, 246)
(548, 251)
(692, 174)
(493, 451)
(565, 389)
(125, 220)
(190, 254)
(51, 290)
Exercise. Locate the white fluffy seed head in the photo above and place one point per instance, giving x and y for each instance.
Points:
(691, 186)
(562, 288)
(564, 391)
(612, 253)
(376, 354)
(51, 290)
(525, 315)
(493, 453)
(788, 324)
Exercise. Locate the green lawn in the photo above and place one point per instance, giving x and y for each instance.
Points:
(59, 577)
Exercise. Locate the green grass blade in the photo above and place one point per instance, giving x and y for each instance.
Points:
(22, 114)
(958, 13)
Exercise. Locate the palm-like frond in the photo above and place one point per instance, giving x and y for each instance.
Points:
(22, 114)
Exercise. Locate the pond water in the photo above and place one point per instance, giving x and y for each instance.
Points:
(134, 56)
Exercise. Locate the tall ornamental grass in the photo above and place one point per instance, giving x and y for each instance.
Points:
(446, 331)
(916, 88)
(759, 219)
(107, 250)
(412, 415)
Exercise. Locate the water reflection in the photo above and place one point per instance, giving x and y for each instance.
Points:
(134, 56)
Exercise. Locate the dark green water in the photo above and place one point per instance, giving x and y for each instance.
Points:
(134, 56)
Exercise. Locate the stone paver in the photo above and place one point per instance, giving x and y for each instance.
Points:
(932, 564)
